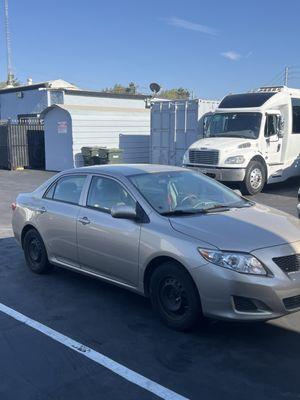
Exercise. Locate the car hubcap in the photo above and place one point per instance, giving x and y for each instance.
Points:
(173, 297)
(256, 178)
(35, 250)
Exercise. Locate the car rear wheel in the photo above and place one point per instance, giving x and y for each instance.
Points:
(174, 297)
(35, 252)
(255, 178)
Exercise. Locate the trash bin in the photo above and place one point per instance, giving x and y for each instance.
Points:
(94, 155)
(114, 156)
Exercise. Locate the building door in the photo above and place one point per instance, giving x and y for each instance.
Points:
(36, 149)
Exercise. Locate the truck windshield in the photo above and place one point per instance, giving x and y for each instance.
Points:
(241, 125)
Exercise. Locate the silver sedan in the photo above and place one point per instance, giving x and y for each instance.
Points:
(195, 247)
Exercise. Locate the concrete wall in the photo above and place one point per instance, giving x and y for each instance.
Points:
(32, 102)
(58, 140)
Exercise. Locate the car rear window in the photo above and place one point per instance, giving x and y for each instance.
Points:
(67, 189)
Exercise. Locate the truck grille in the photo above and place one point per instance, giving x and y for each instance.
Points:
(288, 263)
(291, 303)
(204, 157)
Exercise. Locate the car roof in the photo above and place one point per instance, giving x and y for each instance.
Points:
(127, 169)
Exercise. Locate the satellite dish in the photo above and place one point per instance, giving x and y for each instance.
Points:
(154, 87)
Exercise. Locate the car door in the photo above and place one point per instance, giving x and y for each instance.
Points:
(108, 246)
(273, 141)
(57, 218)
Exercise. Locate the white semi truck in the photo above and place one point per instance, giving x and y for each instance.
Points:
(252, 138)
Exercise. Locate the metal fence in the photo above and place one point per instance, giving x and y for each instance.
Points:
(22, 144)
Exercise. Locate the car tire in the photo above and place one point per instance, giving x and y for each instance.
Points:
(255, 178)
(174, 297)
(35, 253)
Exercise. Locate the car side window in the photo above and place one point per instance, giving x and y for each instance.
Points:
(104, 193)
(50, 192)
(68, 189)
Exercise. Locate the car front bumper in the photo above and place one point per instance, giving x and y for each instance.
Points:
(274, 296)
(219, 173)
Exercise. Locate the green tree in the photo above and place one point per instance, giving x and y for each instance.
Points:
(174, 94)
(3, 84)
(120, 89)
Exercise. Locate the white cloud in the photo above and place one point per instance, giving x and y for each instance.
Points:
(231, 55)
(191, 26)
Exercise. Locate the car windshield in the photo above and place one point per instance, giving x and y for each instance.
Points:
(185, 192)
(241, 125)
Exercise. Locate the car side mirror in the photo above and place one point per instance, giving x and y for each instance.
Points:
(123, 212)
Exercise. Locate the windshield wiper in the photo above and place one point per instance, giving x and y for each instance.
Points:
(179, 212)
(216, 208)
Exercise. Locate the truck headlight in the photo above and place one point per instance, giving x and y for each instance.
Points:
(186, 158)
(235, 160)
(239, 262)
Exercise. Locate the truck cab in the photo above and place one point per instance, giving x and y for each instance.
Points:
(252, 138)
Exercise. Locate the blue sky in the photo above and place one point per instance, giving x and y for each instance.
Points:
(211, 47)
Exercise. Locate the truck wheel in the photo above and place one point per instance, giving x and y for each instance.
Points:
(174, 297)
(35, 253)
(255, 178)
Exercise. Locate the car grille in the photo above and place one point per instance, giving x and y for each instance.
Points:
(204, 157)
(288, 263)
(291, 303)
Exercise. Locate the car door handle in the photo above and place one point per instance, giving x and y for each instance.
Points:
(84, 220)
(41, 210)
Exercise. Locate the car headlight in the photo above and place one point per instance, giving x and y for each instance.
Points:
(235, 160)
(239, 262)
(186, 158)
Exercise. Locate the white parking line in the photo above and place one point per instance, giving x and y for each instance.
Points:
(99, 358)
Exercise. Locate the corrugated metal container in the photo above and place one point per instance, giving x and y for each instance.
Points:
(175, 125)
(135, 148)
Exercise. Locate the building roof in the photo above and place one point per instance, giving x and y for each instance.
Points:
(96, 93)
(83, 109)
(71, 89)
(53, 84)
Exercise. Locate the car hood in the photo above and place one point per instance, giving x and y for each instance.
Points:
(240, 229)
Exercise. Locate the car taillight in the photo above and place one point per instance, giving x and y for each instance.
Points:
(13, 206)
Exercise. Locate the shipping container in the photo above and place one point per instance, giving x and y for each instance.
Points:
(175, 125)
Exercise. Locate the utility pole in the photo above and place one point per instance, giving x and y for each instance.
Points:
(10, 75)
(286, 76)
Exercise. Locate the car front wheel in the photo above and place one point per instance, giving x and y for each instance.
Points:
(35, 252)
(175, 297)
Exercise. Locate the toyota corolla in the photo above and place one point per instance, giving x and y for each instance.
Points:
(192, 245)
